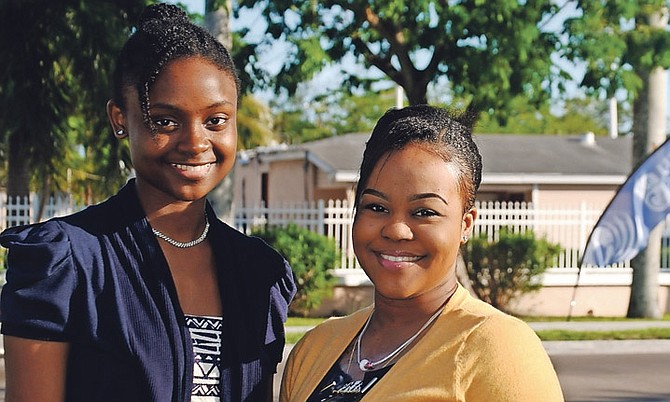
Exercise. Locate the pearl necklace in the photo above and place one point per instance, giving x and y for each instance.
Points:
(368, 365)
(187, 244)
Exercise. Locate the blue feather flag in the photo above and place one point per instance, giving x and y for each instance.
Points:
(638, 207)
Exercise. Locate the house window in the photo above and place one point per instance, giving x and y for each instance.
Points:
(264, 188)
(512, 197)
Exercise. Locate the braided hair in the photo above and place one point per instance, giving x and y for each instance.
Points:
(164, 33)
(435, 130)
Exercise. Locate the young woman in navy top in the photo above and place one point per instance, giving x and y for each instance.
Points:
(147, 296)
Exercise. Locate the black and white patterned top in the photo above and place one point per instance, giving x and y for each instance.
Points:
(206, 335)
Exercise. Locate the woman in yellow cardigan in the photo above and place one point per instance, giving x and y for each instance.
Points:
(425, 338)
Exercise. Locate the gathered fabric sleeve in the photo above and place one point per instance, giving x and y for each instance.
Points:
(40, 282)
(281, 294)
(504, 360)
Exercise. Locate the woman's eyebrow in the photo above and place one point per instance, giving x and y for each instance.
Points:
(422, 196)
(176, 109)
(376, 193)
(415, 197)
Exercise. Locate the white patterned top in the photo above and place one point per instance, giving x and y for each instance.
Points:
(206, 335)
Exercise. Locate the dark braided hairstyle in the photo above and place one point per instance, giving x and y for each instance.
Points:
(164, 33)
(434, 129)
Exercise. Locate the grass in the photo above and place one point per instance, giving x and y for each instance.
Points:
(666, 317)
(545, 335)
(563, 335)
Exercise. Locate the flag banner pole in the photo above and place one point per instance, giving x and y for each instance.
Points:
(640, 204)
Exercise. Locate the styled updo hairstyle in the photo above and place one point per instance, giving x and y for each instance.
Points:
(164, 33)
(434, 129)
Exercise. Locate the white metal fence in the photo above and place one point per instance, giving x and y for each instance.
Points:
(24, 210)
(568, 226)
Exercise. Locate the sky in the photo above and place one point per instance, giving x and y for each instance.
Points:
(194, 6)
(199, 7)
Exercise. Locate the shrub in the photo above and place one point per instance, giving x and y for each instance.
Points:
(502, 270)
(311, 256)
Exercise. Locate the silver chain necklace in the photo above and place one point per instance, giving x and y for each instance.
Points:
(368, 365)
(187, 244)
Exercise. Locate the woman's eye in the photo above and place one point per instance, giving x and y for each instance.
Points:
(374, 208)
(425, 213)
(164, 123)
(217, 121)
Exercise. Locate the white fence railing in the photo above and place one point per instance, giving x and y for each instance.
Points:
(568, 226)
(25, 210)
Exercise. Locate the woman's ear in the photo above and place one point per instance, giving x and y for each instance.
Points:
(468, 224)
(116, 119)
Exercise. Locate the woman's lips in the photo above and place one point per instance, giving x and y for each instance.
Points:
(193, 172)
(395, 262)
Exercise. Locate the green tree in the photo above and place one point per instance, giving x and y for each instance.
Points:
(489, 51)
(625, 46)
(508, 267)
(53, 87)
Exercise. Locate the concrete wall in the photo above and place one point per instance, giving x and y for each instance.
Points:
(593, 196)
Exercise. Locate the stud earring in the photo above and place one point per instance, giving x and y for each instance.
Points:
(465, 238)
(120, 132)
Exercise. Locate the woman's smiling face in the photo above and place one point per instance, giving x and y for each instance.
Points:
(193, 106)
(410, 223)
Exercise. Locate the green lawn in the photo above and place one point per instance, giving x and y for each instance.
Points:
(563, 335)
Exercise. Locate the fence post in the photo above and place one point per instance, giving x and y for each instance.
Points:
(582, 229)
(321, 216)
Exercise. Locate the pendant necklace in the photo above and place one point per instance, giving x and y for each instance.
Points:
(368, 365)
(186, 244)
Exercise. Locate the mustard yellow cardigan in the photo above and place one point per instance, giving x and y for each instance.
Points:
(473, 352)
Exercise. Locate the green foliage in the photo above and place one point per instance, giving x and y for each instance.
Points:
(504, 269)
(53, 89)
(489, 51)
(616, 43)
(311, 256)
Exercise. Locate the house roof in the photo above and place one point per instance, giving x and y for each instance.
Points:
(507, 158)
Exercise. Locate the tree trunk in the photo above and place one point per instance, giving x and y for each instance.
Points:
(217, 22)
(18, 167)
(18, 174)
(649, 131)
(416, 92)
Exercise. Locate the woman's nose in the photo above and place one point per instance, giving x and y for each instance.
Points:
(397, 229)
(195, 139)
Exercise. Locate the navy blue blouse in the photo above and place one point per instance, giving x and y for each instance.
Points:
(98, 280)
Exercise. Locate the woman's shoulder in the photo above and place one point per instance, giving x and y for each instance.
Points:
(50, 234)
(337, 327)
(475, 316)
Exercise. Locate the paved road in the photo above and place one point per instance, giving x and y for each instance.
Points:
(614, 377)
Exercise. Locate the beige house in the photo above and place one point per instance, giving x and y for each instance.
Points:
(548, 171)
(543, 169)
